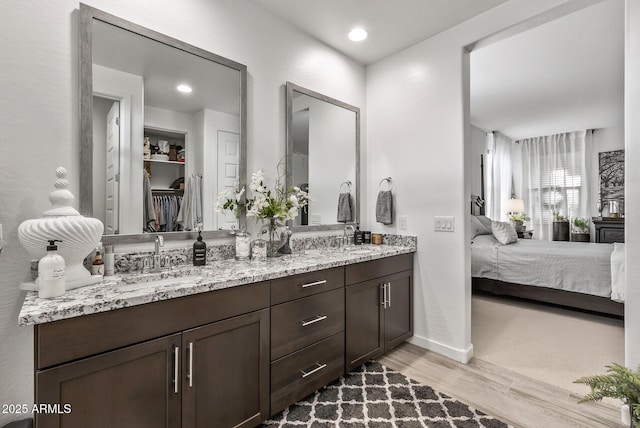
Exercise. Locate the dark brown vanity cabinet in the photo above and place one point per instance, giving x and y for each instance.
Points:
(379, 307)
(208, 367)
(307, 334)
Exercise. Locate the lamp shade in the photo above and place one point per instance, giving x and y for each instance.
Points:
(514, 206)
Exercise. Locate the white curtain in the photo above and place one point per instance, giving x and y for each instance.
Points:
(499, 176)
(555, 175)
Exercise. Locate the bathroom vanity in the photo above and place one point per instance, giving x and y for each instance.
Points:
(226, 345)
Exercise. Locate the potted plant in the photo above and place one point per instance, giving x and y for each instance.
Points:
(620, 382)
(560, 227)
(518, 220)
(580, 230)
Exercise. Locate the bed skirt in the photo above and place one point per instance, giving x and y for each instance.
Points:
(601, 305)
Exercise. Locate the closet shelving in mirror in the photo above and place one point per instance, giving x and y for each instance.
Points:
(163, 172)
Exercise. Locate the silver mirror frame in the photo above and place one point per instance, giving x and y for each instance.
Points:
(290, 88)
(87, 15)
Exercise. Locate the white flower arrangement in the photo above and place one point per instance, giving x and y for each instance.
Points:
(280, 204)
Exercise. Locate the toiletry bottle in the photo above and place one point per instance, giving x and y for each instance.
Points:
(97, 267)
(109, 260)
(199, 252)
(357, 235)
(51, 281)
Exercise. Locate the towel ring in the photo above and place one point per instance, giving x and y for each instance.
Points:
(388, 181)
(348, 183)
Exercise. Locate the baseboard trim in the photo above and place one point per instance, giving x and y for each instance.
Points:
(461, 355)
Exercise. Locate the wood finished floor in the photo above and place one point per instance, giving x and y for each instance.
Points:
(507, 395)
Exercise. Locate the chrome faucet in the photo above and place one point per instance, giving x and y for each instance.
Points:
(348, 238)
(157, 258)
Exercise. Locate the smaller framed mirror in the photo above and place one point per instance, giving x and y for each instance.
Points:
(323, 158)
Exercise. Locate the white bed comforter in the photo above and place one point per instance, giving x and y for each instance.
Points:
(570, 266)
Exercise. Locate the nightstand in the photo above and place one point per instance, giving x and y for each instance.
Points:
(525, 234)
(608, 229)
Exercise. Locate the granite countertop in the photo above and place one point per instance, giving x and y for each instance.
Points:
(121, 291)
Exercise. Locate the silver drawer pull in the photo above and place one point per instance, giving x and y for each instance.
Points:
(190, 375)
(315, 320)
(317, 369)
(312, 284)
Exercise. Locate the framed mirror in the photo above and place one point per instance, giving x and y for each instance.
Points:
(323, 158)
(163, 131)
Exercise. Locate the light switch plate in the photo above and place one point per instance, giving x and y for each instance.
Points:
(402, 222)
(315, 220)
(443, 224)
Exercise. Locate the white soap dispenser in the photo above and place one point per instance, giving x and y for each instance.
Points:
(51, 279)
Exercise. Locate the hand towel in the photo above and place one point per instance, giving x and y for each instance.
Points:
(345, 211)
(384, 207)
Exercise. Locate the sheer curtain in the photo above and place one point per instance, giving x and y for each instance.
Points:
(555, 175)
(499, 176)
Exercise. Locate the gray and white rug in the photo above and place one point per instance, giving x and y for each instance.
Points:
(378, 397)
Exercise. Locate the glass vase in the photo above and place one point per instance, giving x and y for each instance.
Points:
(274, 237)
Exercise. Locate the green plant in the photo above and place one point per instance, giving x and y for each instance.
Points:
(582, 224)
(620, 382)
(519, 217)
(558, 217)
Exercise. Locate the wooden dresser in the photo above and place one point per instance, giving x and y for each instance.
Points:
(609, 230)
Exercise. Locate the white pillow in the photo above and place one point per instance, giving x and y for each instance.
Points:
(477, 228)
(504, 232)
(486, 221)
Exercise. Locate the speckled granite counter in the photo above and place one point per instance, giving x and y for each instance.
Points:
(127, 290)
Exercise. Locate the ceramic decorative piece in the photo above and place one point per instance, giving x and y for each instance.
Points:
(79, 235)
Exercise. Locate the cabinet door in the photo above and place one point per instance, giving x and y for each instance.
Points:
(398, 315)
(131, 387)
(225, 380)
(364, 323)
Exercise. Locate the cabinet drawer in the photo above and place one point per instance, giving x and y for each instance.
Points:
(302, 322)
(306, 284)
(612, 235)
(365, 271)
(299, 374)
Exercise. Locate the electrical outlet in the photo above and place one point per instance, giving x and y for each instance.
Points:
(316, 220)
(443, 224)
(402, 222)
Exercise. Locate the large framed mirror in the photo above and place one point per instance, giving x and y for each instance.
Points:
(323, 158)
(163, 131)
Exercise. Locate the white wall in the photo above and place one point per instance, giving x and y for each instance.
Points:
(632, 183)
(418, 97)
(40, 121)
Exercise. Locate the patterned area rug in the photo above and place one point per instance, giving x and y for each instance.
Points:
(379, 397)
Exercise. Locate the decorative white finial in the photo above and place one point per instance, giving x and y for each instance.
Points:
(61, 198)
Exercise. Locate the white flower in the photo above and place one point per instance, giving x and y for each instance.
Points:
(294, 200)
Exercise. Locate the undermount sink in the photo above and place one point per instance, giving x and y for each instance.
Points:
(171, 281)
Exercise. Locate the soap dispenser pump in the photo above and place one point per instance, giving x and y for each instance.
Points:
(199, 251)
(51, 275)
(357, 235)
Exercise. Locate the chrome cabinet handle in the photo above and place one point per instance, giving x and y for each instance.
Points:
(190, 374)
(314, 320)
(317, 369)
(388, 294)
(176, 368)
(384, 295)
(312, 284)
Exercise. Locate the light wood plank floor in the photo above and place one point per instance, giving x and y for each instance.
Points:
(507, 395)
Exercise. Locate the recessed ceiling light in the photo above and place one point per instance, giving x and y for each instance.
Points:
(358, 34)
(186, 89)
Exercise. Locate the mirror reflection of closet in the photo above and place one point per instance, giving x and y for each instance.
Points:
(188, 141)
(323, 153)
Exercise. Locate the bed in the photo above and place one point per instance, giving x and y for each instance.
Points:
(585, 276)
